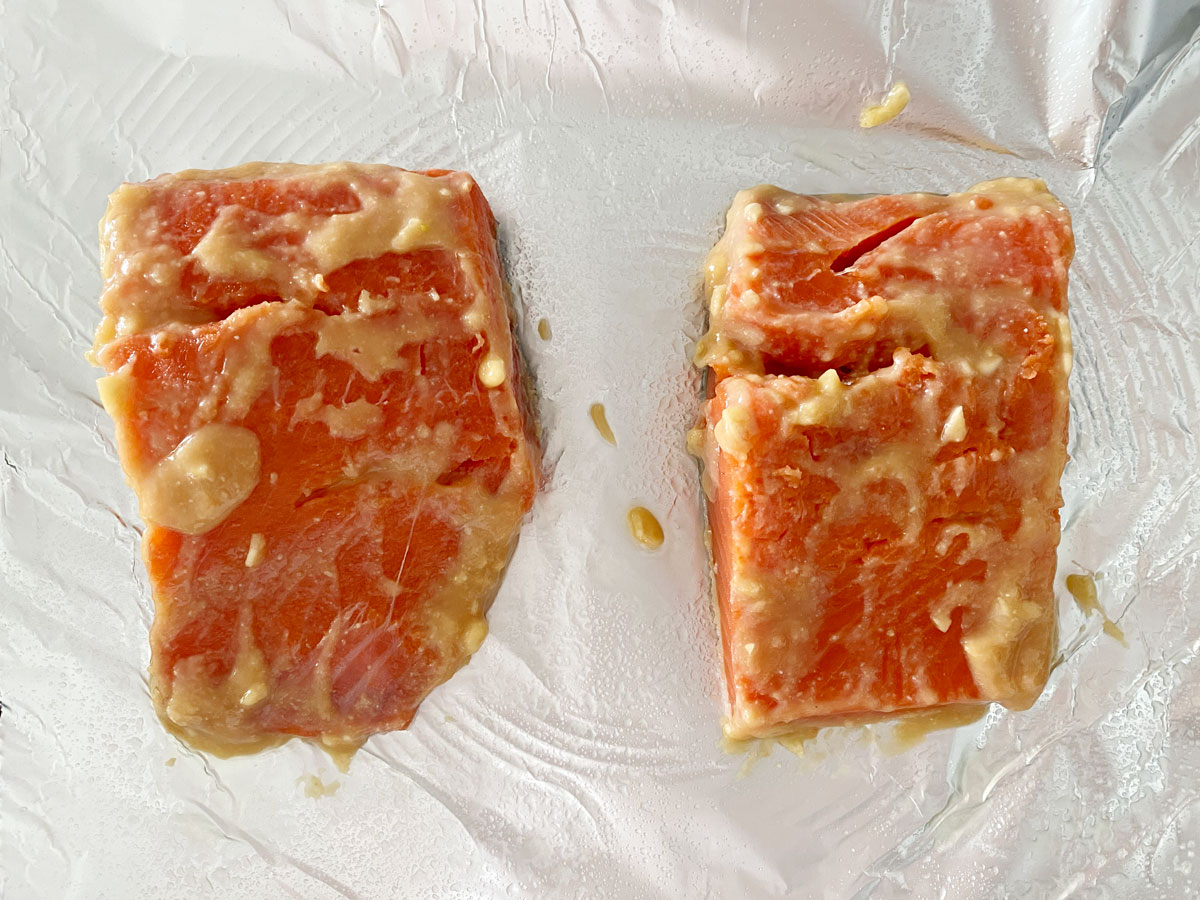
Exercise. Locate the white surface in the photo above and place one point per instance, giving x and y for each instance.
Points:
(577, 755)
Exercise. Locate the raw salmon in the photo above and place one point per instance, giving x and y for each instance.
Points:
(884, 442)
(318, 403)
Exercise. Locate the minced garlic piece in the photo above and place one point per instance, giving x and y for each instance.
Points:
(892, 106)
(492, 372)
(955, 428)
(257, 550)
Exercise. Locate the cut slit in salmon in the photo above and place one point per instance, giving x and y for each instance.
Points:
(849, 257)
(332, 487)
(885, 521)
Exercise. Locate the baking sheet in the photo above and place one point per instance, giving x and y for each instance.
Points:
(578, 754)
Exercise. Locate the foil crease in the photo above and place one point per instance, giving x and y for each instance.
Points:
(578, 754)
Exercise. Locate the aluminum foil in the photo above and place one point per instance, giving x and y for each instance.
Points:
(578, 754)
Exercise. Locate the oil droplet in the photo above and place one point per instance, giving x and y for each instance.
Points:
(733, 746)
(544, 329)
(795, 741)
(314, 787)
(753, 748)
(1083, 589)
(1113, 630)
(756, 749)
(761, 751)
(600, 420)
(913, 728)
(171, 762)
(1087, 598)
(341, 751)
(645, 528)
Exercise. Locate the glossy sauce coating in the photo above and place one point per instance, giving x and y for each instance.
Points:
(883, 447)
(315, 392)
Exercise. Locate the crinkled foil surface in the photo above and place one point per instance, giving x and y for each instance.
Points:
(578, 754)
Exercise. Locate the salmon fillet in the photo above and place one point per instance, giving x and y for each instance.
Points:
(883, 445)
(317, 401)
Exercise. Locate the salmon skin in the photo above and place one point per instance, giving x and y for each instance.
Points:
(318, 403)
(883, 443)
